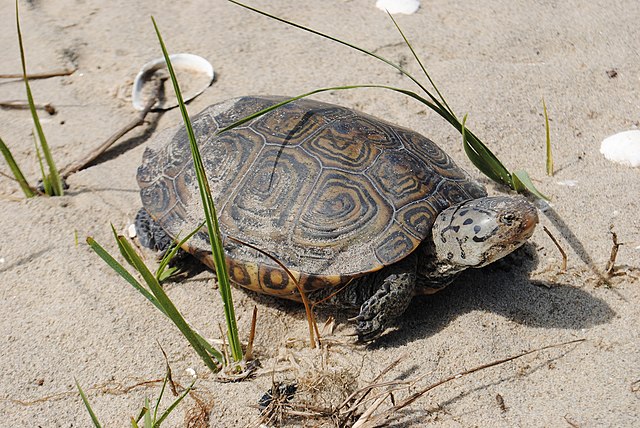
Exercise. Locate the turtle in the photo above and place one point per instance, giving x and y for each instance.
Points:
(361, 212)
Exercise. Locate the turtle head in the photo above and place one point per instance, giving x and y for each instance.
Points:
(478, 232)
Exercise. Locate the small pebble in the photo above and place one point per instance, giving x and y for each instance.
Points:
(131, 231)
(568, 183)
(399, 6)
(191, 372)
(623, 148)
(1, 259)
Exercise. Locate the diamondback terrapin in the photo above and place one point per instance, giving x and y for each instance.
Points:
(339, 197)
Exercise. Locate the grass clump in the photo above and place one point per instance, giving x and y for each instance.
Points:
(51, 179)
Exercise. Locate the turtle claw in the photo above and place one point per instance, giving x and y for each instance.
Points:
(368, 331)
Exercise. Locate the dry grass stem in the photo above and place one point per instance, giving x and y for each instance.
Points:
(43, 75)
(248, 353)
(24, 105)
(311, 319)
(562, 252)
(382, 418)
(611, 264)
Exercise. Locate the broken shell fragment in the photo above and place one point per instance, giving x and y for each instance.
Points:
(194, 73)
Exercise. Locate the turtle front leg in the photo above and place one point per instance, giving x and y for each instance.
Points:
(150, 234)
(389, 299)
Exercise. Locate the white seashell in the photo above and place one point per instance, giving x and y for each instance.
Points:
(399, 6)
(191, 372)
(194, 73)
(623, 148)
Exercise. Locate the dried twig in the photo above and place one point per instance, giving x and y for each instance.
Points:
(248, 353)
(44, 75)
(24, 105)
(362, 420)
(137, 121)
(105, 388)
(172, 384)
(614, 252)
(564, 255)
(381, 418)
(366, 390)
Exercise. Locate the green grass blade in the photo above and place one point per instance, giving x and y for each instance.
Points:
(522, 181)
(424, 70)
(113, 264)
(15, 170)
(173, 405)
(54, 176)
(148, 421)
(224, 285)
(143, 411)
(548, 140)
(94, 418)
(157, 405)
(342, 42)
(160, 272)
(134, 424)
(123, 252)
(481, 156)
(477, 152)
(46, 183)
(169, 308)
(333, 88)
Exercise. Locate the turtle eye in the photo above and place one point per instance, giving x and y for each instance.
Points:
(508, 218)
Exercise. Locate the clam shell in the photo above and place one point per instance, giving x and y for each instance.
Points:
(623, 148)
(194, 73)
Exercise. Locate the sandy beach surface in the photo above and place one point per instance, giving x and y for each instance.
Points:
(66, 315)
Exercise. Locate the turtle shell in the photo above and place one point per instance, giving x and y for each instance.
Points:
(329, 192)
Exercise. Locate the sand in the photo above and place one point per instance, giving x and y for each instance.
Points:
(66, 315)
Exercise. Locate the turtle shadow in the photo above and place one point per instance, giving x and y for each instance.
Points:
(502, 288)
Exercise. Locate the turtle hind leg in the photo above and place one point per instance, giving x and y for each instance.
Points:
(149, 233)
(388, 301)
